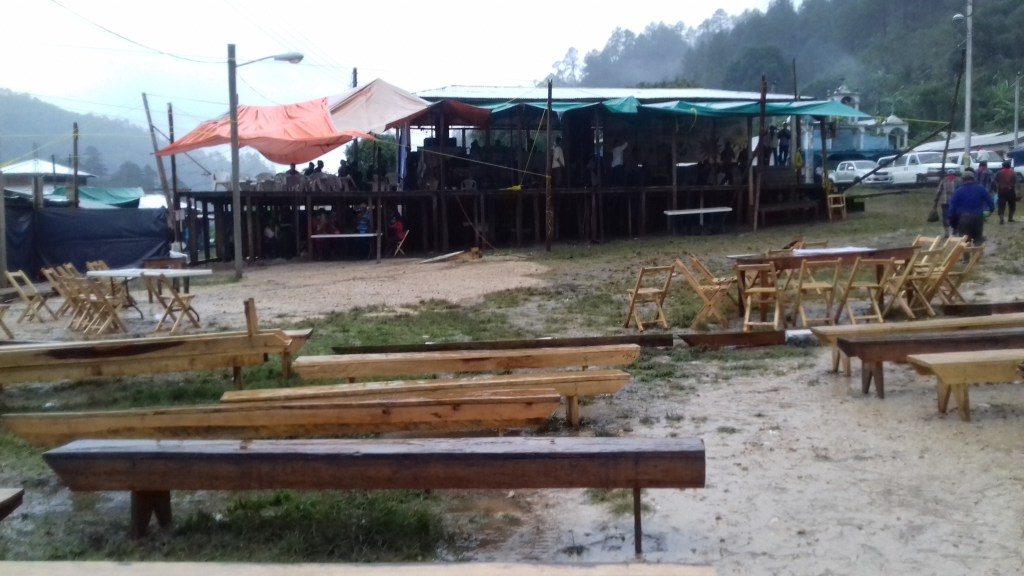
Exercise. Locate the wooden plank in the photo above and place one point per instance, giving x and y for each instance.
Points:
(116, 368)
(716, 340)
(576, 383)
(10, 499)
(416, 569)
(982, 308)
(642, 340)
(320, 418)
(437, 463)
(829, 334)
(376, 365)
(441, 258)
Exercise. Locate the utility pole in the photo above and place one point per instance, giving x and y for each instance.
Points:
(3, 233)
(355, 143)
(159, 165)
(1016, 111)
(967, 81)
(174, 175)
(549, 201)
(73, 196)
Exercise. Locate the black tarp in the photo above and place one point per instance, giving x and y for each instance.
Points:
(53, 236)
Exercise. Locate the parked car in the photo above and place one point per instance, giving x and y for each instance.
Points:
(913, 167)
(852, 172)
(956, 161)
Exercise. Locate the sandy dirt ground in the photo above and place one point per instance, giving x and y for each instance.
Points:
(805, 474)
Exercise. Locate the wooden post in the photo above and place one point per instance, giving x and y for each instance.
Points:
(760, 146)
(159, 164)
(675, 159)
(3, 233)
(252, 320)
(638, 534)
(549, 202)
(751, 156)
(206, 230)
(73, 196)
(175, 200)
(824, 156)
(794, 142)
(37, 193)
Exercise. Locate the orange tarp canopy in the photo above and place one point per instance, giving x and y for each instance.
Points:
(288, 134)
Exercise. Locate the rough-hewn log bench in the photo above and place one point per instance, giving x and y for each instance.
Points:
(956, 371)
(10, 499)
(417, 569)
(568, 384)
(829, 335)
(642, 340)
(716, 340)
(150, 470)
(52, 361)
(499, 410)
(982, 308)
(352, 366)
(874, 351)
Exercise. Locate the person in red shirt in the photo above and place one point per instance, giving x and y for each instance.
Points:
(1006, 188)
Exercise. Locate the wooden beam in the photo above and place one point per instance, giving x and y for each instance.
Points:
(310, 420)
(716, 340)
(642, 340)
(830, 334)
(414, 569)
(10, 499)
(376, 365)
(575, 383)
(982, 308)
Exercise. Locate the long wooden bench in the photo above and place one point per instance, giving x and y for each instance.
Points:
(10, 499)
(415, 569)
(642, 340)
(874, 351)
(151, 470)
(829, 335)
(956, 371)
(982, 308)
(497, 410)
(352, 366)
(571, 385)
(52, 361)
(795, 207)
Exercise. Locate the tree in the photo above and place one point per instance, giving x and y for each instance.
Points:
(387, 147)
(149, 178)
(744, 73)
(568, 70)
(92, 163)
(127, 175)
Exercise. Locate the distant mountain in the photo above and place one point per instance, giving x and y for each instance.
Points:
(119, 152)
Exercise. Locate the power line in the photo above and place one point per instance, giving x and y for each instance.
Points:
(140, 44)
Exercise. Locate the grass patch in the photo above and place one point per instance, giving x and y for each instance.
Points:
(618, 502)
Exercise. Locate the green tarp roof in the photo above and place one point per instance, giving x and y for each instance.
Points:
(117, 197)
(752, 109)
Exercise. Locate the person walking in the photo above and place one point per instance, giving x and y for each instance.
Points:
(1006, 189)
(943, 193)
(557, 164)
(968, 206)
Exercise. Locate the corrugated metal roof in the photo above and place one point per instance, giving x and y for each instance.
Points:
(506, 93)
(37, 167)
(956, 143)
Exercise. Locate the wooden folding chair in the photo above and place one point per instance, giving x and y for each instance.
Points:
(176, 306)
(710, 292)
(927, 282)
(760, 286)
(401, 242)
(651, 288)
(816, 279)
(707, 277)
(868, 276)
(836, 204)
(6, 330)
(949, 288)
(96, 311)
(35, 301)
(58, 282)
(894, 287)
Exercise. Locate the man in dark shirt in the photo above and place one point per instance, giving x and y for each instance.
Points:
(967, 206)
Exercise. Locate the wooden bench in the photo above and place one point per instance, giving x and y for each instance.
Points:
(874, 351)
(352, 366)
(956, 371)
(151, 470)
(642, 340)
(10, 499)
(412, 569)
(717, 213)
(716, 340)
(982, 308)
(829, 335)
(571, 385)
(795, 207)
(495, 410)
(52, 361)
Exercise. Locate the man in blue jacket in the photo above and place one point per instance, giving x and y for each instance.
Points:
(967, 206)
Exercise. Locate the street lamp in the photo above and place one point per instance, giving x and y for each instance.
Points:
(236, 192)
(969, 18)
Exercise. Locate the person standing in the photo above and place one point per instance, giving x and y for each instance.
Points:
(984, 176)
(557, 164)
(967, 207)
(784, 142)
(943, 193)
(1006, 188)
(619, 162)
(727, 161)
(773, 144)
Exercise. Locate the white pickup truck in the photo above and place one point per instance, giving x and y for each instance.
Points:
(912, 167)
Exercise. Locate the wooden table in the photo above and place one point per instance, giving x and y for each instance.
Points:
(376, 235)
(126, 275)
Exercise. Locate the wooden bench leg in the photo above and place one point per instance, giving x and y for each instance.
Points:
(286, 366)
(236, 376)
(963, 402)
(572, 410)
(872, 371)
(638, 535)
(145, 504)
(944, 391)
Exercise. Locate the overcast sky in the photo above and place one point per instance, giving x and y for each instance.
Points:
(176, 52)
